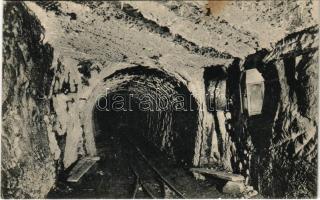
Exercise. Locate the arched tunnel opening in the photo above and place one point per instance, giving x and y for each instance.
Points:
(145, 114)
(149, 107)
(145, 123)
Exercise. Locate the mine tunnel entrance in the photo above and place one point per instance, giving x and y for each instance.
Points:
(150, 107)
(145, 125)
(148, 114)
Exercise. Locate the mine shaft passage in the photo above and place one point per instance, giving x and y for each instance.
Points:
(145, 127)
(153, 107)
(151, 111)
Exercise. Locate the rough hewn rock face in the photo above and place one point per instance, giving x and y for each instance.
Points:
(269, 21)
(284, 162)
(295, 130)
(27, 167)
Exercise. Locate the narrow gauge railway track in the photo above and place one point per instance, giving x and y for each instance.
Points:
(148, 177)
(148, 184)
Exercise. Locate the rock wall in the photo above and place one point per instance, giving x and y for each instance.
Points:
(295, 130)
(27, 166)
(267, 22)
(281, 145)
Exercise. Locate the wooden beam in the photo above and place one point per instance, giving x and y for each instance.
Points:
(81, 168)
(219, 174)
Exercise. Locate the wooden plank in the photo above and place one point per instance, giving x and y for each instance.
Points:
(81, 168)
(81, 162)
(219, 174)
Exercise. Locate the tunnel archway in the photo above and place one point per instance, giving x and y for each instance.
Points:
(150, 105)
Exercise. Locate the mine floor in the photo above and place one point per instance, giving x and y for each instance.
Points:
(113, 176)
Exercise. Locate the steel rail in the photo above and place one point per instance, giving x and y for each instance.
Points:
(157, 171)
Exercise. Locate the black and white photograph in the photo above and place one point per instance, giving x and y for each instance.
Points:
(160, 99)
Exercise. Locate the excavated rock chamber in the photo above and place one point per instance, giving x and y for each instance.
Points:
(66, 63)
(151, 105)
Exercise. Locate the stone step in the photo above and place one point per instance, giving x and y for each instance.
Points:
(81, 168)
(219, 174)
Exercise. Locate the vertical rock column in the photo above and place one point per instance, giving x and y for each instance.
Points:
(27, 166)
